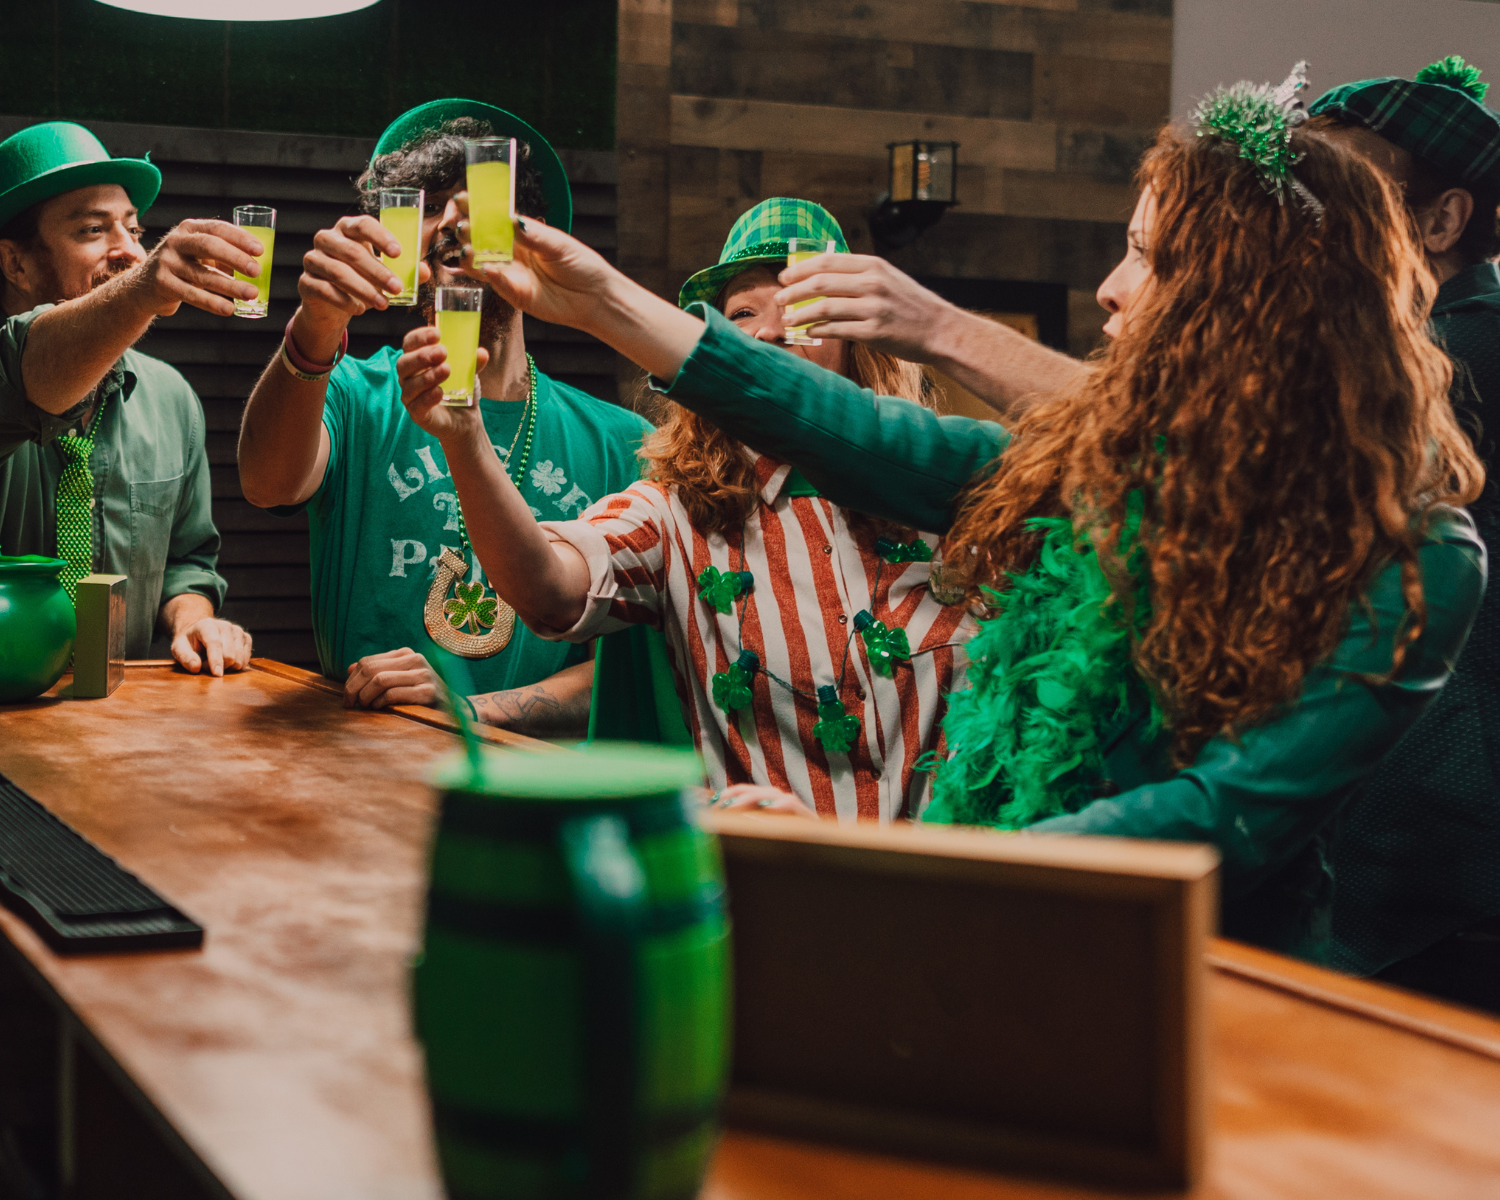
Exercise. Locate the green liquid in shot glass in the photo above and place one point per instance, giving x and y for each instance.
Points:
(459, 334)
(491, 229)
(405, 225)
(262, 302)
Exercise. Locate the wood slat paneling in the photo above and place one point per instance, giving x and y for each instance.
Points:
(813, 129)
(1098, 33)
(1095, 91)
(1052, 103)
(252, 583)
(757, 63)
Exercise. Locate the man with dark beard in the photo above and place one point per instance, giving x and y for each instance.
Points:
(391, 563)
(102, 459)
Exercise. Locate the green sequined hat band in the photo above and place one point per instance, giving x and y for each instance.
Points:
(1259, 119)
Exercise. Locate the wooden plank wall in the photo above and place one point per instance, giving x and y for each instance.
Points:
(725, 102)
(308, 180)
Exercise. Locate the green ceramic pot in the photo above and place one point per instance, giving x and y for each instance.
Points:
(37, 626)
(573, 994)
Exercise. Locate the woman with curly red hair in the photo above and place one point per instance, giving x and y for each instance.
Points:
(809, 657)
(1222, 574)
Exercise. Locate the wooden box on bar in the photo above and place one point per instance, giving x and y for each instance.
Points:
(1024, 1003)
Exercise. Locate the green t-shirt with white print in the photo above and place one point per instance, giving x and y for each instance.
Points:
(387, 507)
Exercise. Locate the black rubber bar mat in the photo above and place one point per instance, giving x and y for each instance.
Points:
(74, 895)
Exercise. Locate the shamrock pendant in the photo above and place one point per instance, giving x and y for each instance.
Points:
(471, 622)
(732, 687)
(470, 608)
(721, 589)
(883, 646)
(915, 550)
(837, 729)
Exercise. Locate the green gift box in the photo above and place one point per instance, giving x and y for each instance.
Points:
(99, 650)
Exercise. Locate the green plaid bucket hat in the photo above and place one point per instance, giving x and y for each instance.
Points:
(760, 235)
(1437, 117)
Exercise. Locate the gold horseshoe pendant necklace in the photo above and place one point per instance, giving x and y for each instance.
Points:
(467, 618)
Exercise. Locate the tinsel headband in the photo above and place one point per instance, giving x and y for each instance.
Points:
(1259, 119)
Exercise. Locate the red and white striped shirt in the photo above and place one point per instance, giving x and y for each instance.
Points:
(811, 578)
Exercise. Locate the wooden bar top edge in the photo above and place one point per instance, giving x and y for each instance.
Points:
(1124, 856)
(433, 717)
(1463, 1028)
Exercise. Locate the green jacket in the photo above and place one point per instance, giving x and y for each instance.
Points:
(1418, 856)
(153, 519)
(1269, 802)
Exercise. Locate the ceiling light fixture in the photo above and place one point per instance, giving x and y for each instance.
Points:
(237, 11)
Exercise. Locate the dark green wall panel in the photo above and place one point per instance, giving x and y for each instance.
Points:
(552, 63)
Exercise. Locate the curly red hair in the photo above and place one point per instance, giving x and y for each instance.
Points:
(1278, 403)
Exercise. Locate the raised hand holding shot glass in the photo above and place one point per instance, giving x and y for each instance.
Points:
(800, 250)
(458, 333)
(401, 213)
(491, 184)
(261, 223)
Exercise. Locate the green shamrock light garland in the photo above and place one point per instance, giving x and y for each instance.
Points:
(915, 550)
(883, 646)
(837, 729)
(722, 588)
(731, 688)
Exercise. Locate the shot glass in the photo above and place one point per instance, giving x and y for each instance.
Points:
(261, 222)
(799, 250)
(458, 331)
(491, 186)
(401, 213)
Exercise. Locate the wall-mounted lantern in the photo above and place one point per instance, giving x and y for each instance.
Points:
(922, 184)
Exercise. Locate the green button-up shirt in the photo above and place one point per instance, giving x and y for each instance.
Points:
(153, 519)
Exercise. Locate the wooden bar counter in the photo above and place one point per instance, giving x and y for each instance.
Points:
(277, 1063)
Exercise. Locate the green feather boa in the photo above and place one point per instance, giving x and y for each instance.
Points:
(1049, 674)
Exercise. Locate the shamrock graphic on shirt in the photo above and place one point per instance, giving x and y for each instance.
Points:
(546, 478)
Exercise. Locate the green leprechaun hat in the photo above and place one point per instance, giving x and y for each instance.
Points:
(46, 160)
(760, 235)
(1437, 116)
(425, 118)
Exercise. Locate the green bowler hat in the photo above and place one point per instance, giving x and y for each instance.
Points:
(425, 118)
(46, 160)
(760, 235)
(1436, 116)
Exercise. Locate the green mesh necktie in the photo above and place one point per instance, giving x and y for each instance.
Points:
(75, 506)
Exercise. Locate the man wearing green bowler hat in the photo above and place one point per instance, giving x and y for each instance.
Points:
(102, 458)
(1418, 860)
(391, 563)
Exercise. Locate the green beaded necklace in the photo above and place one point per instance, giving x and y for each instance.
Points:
(467, 618)
(528, 423)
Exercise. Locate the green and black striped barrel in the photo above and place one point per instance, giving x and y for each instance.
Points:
(573, 993)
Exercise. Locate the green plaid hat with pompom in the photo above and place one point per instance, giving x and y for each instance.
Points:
(760, 235)
(1437, 117)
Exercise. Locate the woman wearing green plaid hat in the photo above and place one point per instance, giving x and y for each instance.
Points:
(809, 652)
(1226, 569)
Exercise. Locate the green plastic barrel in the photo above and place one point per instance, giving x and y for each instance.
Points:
(573, 993)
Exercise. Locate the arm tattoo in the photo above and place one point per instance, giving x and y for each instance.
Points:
(556, 707)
